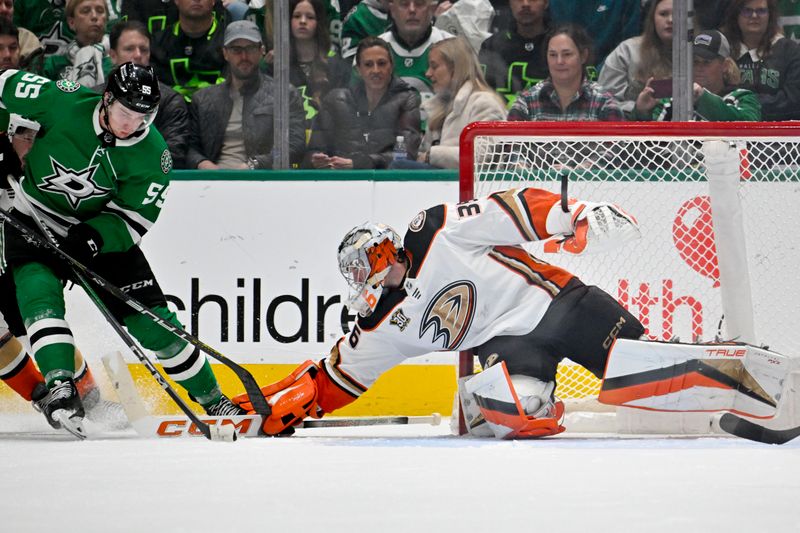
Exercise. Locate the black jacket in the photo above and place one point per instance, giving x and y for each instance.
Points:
(776, 80)
(346, 128)
(210, 111)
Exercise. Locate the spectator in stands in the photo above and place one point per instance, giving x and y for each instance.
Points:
(411, 36)
(513, 59)
(370, 17)
(638, 59)
(9, 45)
(769, 62)
(187, 55)
(232, 123)
(46, 21)
(157, 15)
(130, 41)
(567, 94)
(85, 60)
(609, 22)
(357, 126)
(313, 70)
(27, 42)
(461, 96)
(716, 77)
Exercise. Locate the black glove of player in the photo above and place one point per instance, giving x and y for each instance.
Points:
(83, 242)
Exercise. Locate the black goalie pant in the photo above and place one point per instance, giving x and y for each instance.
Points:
(580, 324)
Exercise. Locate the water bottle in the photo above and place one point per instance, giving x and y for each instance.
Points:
(399, 151)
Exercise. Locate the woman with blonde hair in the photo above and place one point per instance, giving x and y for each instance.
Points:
(632, 64)
(461, 96)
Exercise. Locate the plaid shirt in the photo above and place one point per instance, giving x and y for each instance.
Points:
(541, 102)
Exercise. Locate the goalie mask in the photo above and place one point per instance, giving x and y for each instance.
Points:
(365, 256)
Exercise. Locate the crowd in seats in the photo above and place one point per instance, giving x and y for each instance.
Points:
(382, 84)
(358, 125)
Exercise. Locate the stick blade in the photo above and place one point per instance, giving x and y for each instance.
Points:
(746, 429)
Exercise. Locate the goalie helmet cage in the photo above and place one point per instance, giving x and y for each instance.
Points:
(698, 274)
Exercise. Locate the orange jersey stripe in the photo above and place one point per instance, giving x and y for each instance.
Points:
(528, 209)
(535, 271)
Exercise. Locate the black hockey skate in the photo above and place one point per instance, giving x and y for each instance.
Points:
(63, 408)
(39, 397)
(225, 407)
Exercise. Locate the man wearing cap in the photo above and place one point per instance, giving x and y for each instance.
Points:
(715, 89)
(232, 123)
(187, 55)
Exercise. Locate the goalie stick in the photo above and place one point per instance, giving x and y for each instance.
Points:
(152, 426)
(203, 428)
(780, 429)
(251, 386)
(741, 427)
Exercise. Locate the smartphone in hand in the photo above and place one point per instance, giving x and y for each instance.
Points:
(662, 88)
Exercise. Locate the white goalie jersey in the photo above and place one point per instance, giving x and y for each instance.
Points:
(468, 281)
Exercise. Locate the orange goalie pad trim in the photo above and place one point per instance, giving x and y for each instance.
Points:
(624, 395)
(524, 426)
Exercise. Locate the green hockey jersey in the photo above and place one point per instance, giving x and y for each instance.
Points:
(364, 19)
(77, 172)
(411, 65)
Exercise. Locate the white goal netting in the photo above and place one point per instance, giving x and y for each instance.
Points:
(697, 273)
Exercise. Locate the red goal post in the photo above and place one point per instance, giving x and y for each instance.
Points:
(698, 272)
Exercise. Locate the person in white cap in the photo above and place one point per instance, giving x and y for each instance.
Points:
(232, 123)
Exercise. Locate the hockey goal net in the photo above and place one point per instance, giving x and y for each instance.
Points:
(697, 273)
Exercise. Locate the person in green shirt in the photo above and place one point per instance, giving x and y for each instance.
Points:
(715, 91)
(86, 59)
(96, 178)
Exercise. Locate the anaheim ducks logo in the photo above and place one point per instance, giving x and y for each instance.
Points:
(450, 314)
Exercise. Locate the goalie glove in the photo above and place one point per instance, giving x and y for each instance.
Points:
(596, 227)
(292, 399)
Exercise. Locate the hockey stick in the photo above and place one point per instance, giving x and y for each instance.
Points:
(251, 386)
(150, 426)
(741, 427)
(204, 428)
(783, 427)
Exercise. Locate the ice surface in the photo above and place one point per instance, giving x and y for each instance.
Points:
(392, 478)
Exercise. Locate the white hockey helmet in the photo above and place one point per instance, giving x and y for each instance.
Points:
(16, 122)
(365, 256)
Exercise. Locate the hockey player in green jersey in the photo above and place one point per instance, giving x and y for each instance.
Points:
(96, 177)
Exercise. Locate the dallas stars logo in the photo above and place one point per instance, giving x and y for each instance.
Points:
(75, 185)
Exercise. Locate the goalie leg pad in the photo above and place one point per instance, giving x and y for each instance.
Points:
(666, 376)
(500, 406)
(292, 399)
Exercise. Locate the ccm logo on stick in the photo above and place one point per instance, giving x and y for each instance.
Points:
(181, 428)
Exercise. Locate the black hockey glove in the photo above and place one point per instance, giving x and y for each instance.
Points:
(83, 243)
